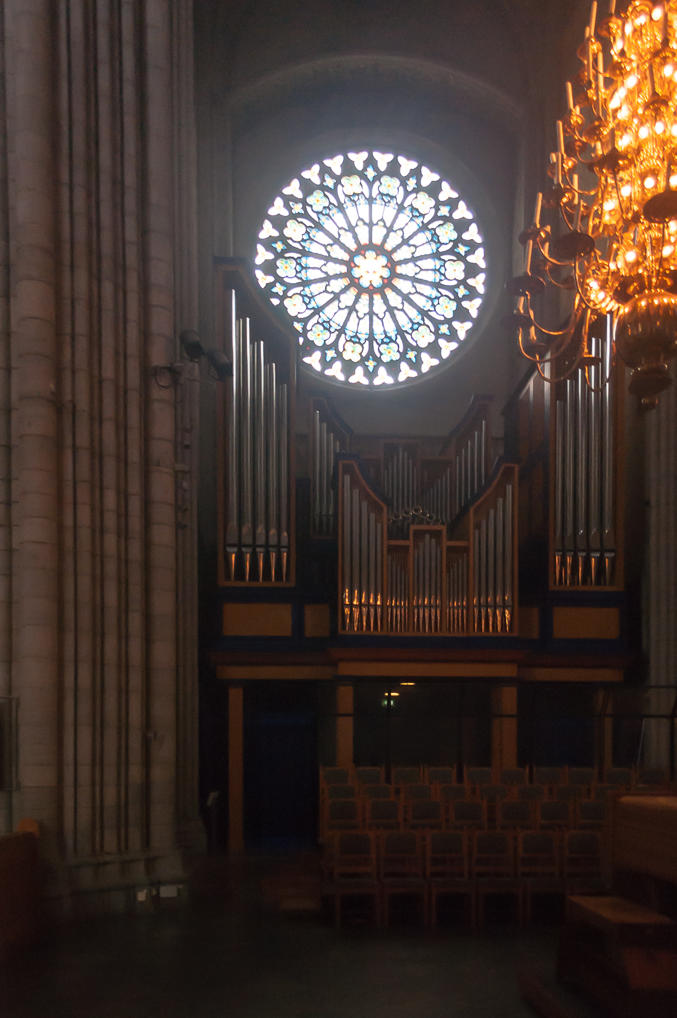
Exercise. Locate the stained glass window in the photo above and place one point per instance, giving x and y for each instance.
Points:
(378, 262)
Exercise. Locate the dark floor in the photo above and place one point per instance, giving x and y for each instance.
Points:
(234, 955)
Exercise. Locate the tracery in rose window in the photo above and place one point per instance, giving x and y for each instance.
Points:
(378, 262)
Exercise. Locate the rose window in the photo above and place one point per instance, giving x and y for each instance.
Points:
(379, 264)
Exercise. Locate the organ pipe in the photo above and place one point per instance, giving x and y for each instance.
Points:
(257, 477)
(583, 474)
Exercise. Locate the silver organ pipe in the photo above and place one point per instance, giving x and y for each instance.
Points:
(361, 538)
(508, 540)
(260, 458)
(493, 539)
(583, 475)
(246, 531)
(272, 474)
(233, 475)
(326, 443)
(283, 458)
(257, 504)
(608, 538)
(582, 467)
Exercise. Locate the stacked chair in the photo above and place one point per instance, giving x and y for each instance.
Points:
(426, 836)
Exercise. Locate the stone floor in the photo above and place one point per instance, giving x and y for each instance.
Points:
(234, 955)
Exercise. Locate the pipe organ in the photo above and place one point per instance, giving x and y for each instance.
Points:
(583, 474)
(426, 581)
(256, 477)
(328, 438)
(361, 547)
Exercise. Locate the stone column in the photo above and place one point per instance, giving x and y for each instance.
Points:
(36, 648)
(660, 576)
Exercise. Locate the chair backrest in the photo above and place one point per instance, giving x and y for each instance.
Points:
(416, 791)
(621, 776)
(406, 775)
(582, 853)
(513, 776)
(591, 813)
(341, 791)
(353, 854)
(569, 793)
(532, 793)
(582, 775)
(513, 813)
(476, 776)
(554, 814)
(468, 813)
(452, 793)
(425, 813)
(401, 854)
(383, 813)
(369, 775)
(441, 775)
(447, 854)
(547, 775)
(537, 853)
(377, 791)
(653, 776)
(342, 813)
(493, 793)
(335, 775)
(493, 854)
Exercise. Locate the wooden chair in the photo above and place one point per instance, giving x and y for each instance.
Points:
(402, 871)
(513, 776)
(383, 815)
(380, 791)
(368, 775)
(532, 793)
(538, 866)
(448, 795)
(513, 814)
(334, 776)
(416, 791)
(353, 872)
(441, 775)
(622, 777)
(425, 814)
(590, 814)
(406, 776)
(340, 792)
(475, 777)
(467, 813)
(551, 777)
(493, 868)
(583, 778)
(554, 815)
(341, 815)
(583, 862)
(448, 871)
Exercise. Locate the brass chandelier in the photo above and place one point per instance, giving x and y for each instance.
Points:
(613, 245)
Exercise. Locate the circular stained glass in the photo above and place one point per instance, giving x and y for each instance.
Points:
(378, 262)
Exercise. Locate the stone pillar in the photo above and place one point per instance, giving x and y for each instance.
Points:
(660, 576)
(344, 725)
(504, 729)
(36, 648)
(97, 279)
(235, 770)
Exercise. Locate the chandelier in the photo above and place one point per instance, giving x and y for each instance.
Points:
(612, 243)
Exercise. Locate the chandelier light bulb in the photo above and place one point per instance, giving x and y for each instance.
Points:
(607, 234)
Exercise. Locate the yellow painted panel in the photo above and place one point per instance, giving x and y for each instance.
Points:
(429, 669)
(232, 673)
(571, 674)
(316, 620)
(256, 619)
(529, 624)
(585, 622)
